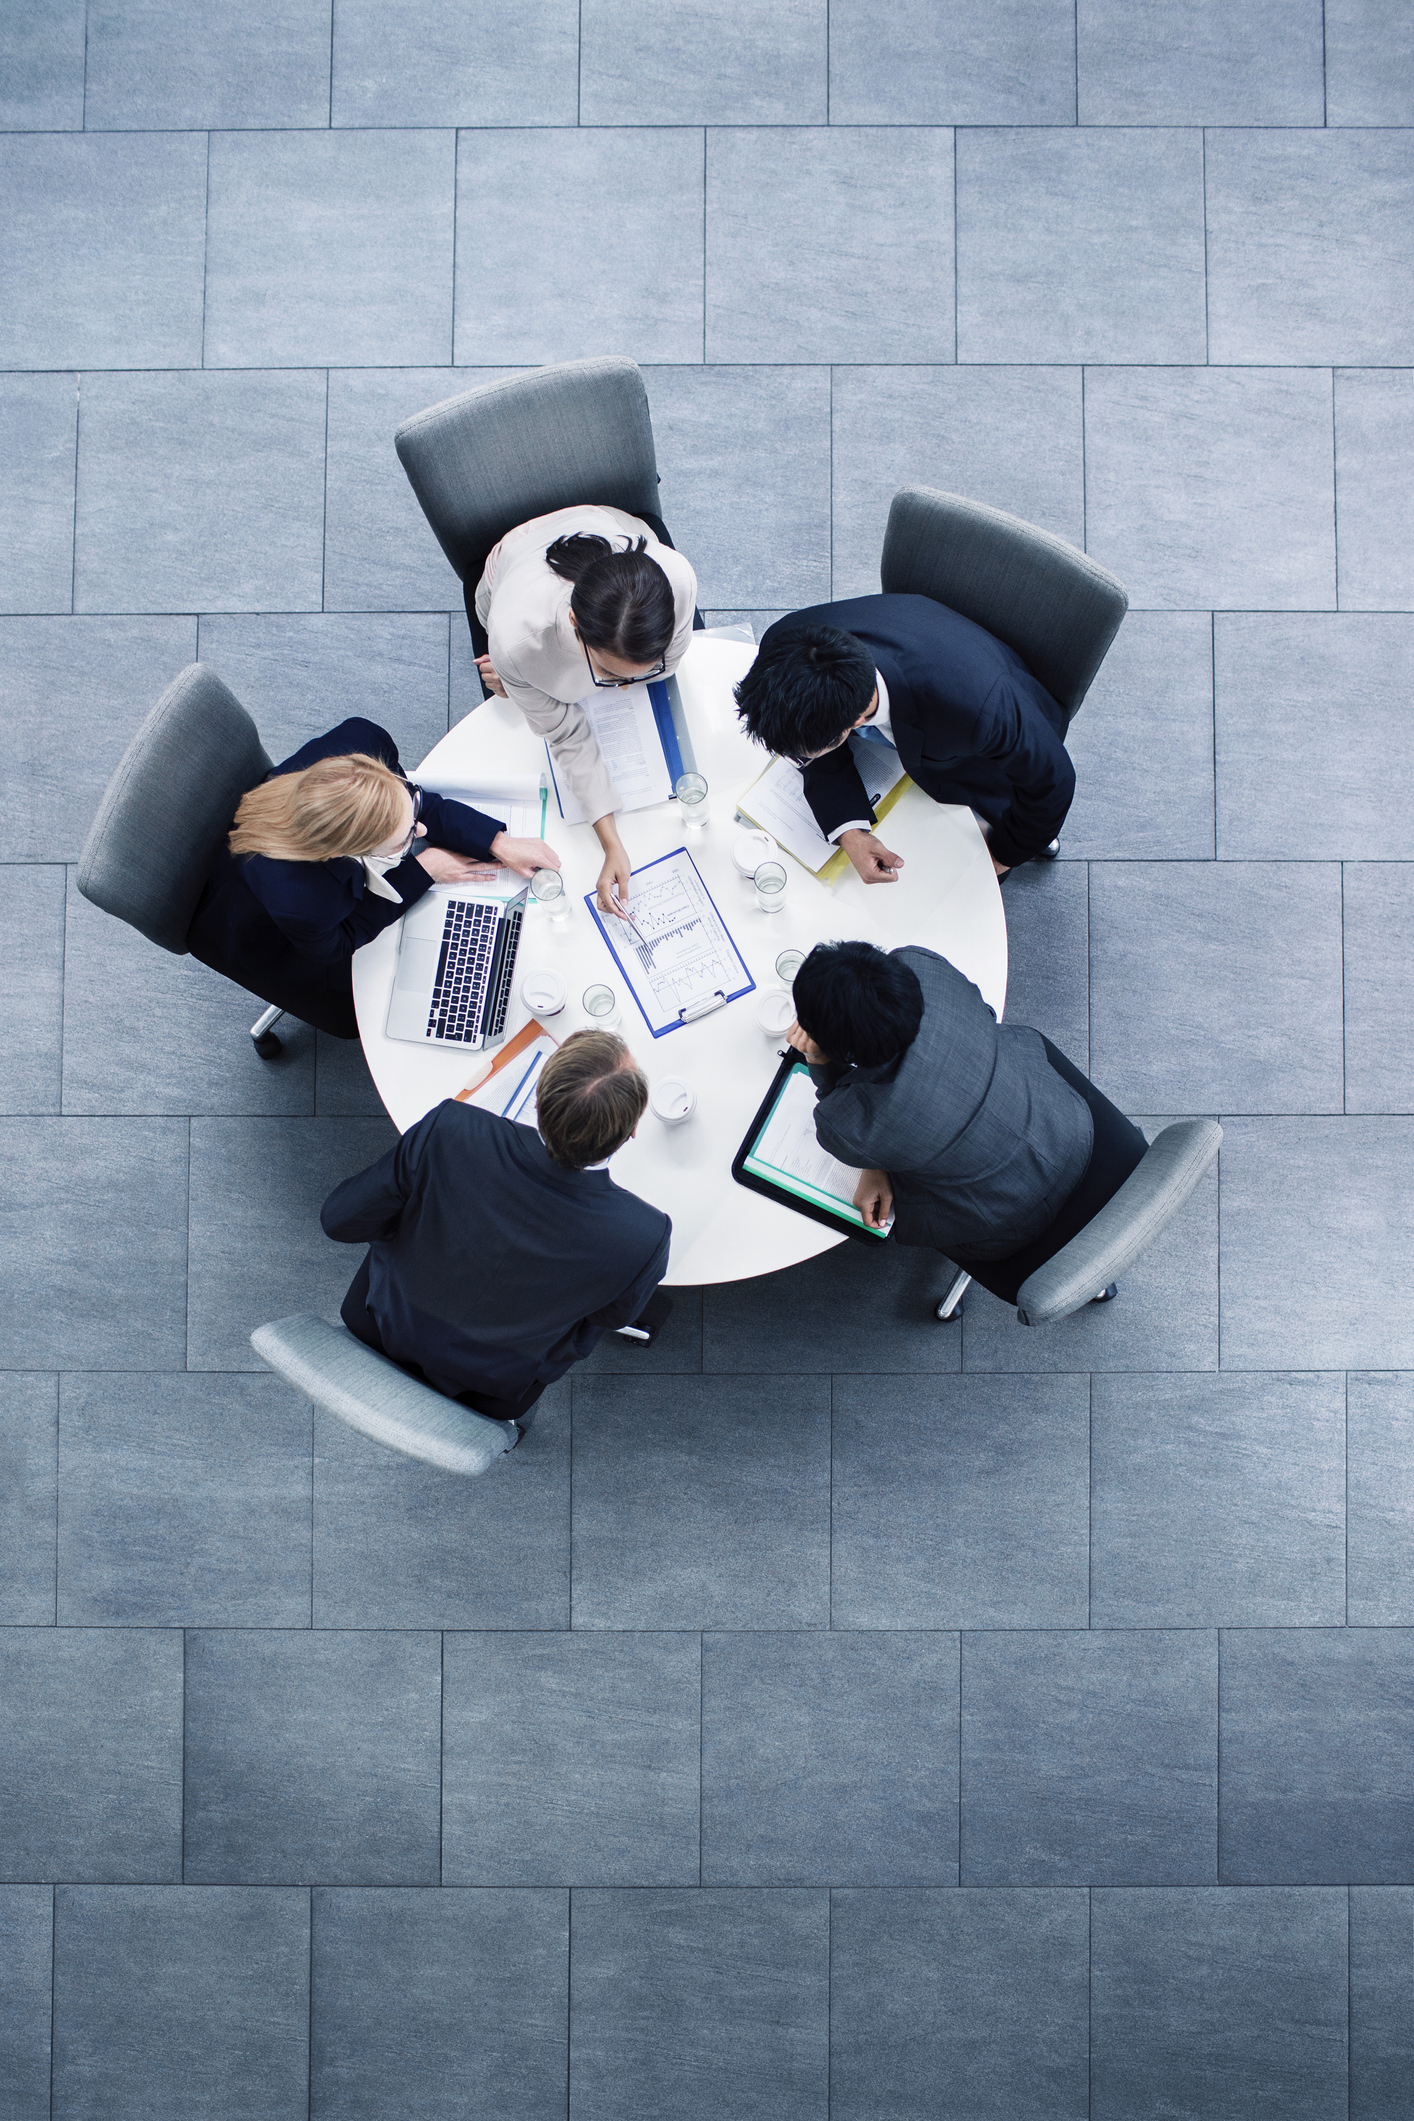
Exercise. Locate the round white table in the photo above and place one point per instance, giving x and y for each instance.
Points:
(946, 898)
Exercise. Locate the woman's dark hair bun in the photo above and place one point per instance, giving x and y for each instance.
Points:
(622, 601)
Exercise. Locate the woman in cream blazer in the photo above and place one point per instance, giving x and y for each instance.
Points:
(581, 600)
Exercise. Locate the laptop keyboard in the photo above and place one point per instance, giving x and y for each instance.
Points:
(464, 969)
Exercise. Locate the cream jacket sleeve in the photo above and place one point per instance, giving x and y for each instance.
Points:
(574, 747)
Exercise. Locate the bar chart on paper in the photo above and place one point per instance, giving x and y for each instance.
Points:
(676, 950)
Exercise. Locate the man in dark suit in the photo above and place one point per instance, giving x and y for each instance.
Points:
(969, 722)
(982, 1137)
(499, 1254)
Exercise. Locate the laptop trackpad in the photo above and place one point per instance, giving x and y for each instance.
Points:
(417, 964)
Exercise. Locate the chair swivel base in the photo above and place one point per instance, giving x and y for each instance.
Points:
(949, 1306)
(262, 1034)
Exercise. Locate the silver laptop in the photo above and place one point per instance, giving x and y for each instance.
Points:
(456, 963)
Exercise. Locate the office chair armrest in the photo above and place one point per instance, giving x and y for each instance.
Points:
(340, 1374)
(1111, 1242)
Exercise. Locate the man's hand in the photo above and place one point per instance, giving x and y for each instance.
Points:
(874, 1198)
(444, 867)
(524, 856)
(874, 861)
(806, 1046)
(1000, 867)
(488, 676)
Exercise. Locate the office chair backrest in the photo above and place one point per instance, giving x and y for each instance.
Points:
(327, 1365)
(150, 848)
(1048, 602)
(1126, 1226)
(505, 452)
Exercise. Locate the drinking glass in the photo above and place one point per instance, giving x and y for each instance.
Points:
(787, 965)
(691, 792)
(601, 1006)
(547, 888)
(770, 881)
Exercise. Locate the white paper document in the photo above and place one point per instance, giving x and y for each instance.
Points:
(511, 1090)
(519, 801)
(787, 1153)
(776, 801)
(627, 733)
(682, 952)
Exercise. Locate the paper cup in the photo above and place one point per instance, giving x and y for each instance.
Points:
(750, 850)
(672, 1100)
(775, 1013)
(543, 993)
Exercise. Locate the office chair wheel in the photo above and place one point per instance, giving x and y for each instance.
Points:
(268, 1046)
(945, 1316)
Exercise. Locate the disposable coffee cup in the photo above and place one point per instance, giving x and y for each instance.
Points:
(543, 993)
(750, 850)
(672, 1100)
(775, 1013)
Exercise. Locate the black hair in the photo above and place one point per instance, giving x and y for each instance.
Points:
(622, 601)
(859, 1005)
(807, 687)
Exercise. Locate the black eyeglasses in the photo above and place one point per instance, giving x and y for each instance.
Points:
(617, 684)
(416, 793)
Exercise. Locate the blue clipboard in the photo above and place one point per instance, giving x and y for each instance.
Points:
(667, 729)
(748, 985)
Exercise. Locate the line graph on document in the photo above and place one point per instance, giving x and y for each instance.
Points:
(686, 951)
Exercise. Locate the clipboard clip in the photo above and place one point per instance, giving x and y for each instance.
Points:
(703, 1006)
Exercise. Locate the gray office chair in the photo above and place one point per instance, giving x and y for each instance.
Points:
(149, 849)
(1086, 1270)
(327, 1365)
(1048, 602)
(505, 452)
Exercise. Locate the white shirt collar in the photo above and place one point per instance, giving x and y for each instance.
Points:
(880, 719)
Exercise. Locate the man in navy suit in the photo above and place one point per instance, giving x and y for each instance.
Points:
(499, 1253)
(969, 722)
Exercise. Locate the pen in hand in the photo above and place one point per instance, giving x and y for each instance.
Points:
(623, 914)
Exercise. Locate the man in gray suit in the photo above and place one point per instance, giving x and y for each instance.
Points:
(981, 1137)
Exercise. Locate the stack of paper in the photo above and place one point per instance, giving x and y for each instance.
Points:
(509, 1086)
(627, 731)
(776, 802)
(520, 801)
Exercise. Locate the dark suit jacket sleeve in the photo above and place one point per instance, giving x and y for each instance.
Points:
(832, 1131)
(457, 826)
(625, 1309)
(369, 1205)
(319, 906)
(1013, 732)
(835, 792)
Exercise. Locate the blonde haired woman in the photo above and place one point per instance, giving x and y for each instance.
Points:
(330, 849)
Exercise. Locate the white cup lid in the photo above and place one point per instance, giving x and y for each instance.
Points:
(543, 992)
(751, 849)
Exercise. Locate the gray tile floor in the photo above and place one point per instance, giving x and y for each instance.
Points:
(824, 1713)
